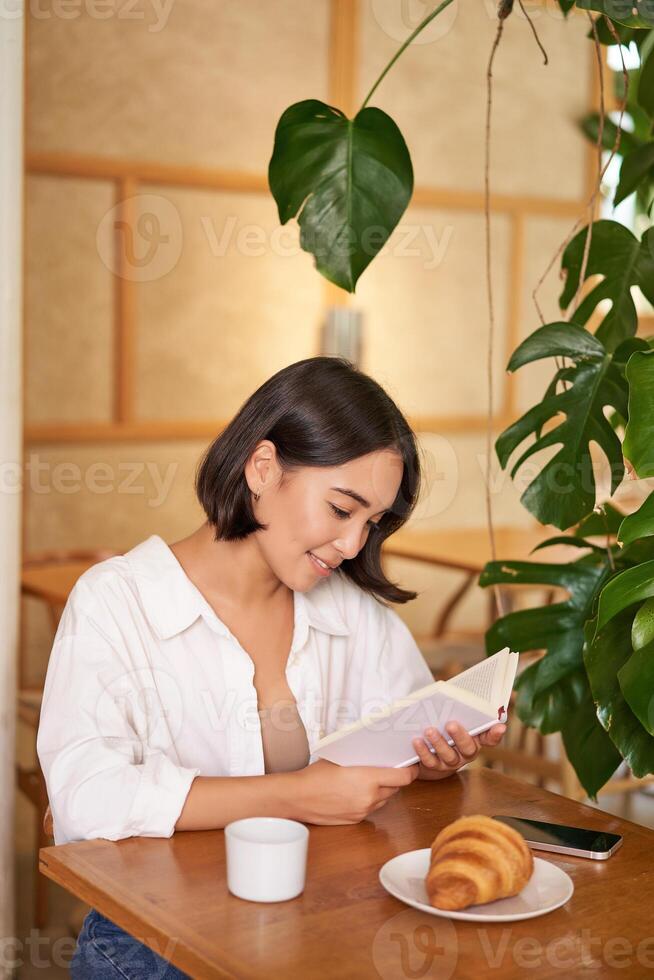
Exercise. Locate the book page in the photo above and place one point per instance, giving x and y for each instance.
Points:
(385, 738)
(481, 679)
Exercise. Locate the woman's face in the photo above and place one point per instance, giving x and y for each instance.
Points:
(309, 515)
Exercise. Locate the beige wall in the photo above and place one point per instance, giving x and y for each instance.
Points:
(227, 299)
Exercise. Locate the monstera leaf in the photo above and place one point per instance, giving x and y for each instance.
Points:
(631, 586)
(549, 690)
(638, 445)
(646, 85)
(627, 601)
(636, 166)
(636, 676)
(564, 490)
(589, 125)
(640, 524)
(631, 592)
(605, 36)
(623, 262)
(589, 748)
(605, 655)
(627, 12)
(348, 180)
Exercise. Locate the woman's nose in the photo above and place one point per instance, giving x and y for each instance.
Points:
(350, 544)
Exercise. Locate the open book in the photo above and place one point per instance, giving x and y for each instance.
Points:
(478, 698)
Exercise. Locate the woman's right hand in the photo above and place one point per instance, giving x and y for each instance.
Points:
(329, 794)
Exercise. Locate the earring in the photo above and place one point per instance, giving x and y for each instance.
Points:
(256, 496)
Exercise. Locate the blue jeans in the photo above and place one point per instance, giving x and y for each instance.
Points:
(106, 952)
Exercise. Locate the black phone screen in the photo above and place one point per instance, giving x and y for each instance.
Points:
(562, 835)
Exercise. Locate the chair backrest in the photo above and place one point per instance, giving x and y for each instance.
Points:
(48, 823)
(48, 577)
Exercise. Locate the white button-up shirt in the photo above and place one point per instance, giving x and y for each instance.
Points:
(147, 688)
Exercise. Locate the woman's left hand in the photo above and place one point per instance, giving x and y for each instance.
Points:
(449, 758)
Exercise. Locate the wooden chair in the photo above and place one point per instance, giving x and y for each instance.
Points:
(447, 651)
(523, 755)
(30, 781)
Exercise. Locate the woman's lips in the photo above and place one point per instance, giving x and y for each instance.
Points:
(318, 567)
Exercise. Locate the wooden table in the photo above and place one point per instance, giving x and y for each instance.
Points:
(172, 894)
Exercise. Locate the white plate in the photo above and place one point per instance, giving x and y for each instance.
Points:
(548, 888)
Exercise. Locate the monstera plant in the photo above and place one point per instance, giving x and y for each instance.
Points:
(348, 182)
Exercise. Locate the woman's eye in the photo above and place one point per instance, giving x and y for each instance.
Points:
(343, 514)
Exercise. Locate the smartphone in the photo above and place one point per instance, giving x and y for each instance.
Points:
(557, 837)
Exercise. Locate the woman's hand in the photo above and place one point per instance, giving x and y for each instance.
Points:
(449, 758)
(324, 793)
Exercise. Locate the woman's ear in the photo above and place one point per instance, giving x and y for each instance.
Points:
(262, 469)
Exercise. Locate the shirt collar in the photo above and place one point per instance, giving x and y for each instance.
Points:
(172, 603)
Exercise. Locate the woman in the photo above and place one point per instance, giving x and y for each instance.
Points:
(189, 684)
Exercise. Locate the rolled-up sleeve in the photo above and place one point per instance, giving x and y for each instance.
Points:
(103, 777)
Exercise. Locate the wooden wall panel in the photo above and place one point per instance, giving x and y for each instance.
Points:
(184, 81)
(191, 107)
(436, 94)
(424, 303)
(68, 302)
(110, 496)
(241, 302)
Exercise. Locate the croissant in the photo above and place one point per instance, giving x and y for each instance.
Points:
(474, 860)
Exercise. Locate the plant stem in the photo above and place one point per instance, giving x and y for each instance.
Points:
(428, 19)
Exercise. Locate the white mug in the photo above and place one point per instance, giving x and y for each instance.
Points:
(266, 858)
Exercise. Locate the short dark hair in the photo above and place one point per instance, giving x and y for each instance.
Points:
(321, 411)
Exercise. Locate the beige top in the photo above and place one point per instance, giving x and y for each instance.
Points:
(285, 743)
